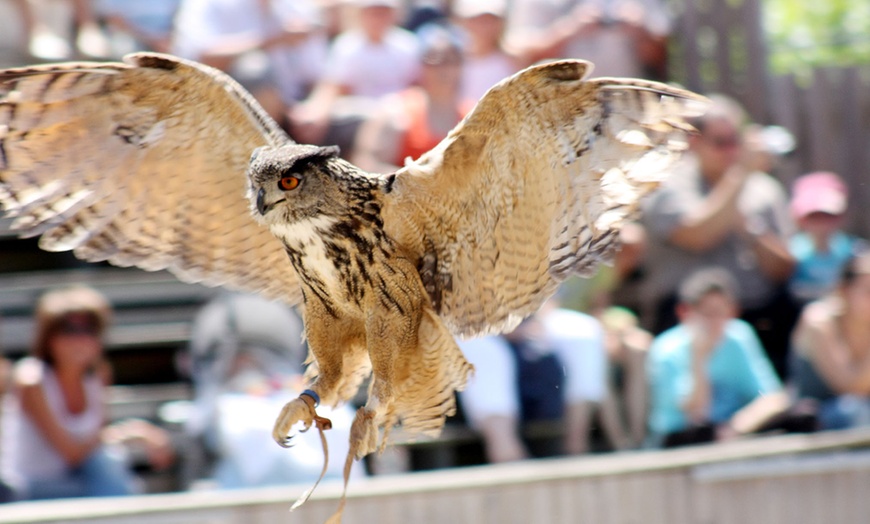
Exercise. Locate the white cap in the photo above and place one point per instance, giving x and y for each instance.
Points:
(472, 8)
(378, 3)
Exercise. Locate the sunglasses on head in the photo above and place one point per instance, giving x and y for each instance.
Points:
(76, 327)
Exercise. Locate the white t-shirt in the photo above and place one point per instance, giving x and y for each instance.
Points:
(26, 453)
(610, 47)
(248, 457)
(202, 24)
(577, 339)
(374, 69)
(481, 73)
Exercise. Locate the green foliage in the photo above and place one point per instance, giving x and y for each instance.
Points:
(803, 34)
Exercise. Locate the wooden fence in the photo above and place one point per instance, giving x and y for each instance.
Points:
(719, 46)
(791, 479)
(830, 117)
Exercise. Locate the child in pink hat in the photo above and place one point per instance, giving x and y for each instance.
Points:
(819, 203)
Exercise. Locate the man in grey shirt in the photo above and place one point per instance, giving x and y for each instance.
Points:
(717, 211)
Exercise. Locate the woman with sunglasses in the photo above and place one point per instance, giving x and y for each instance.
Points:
(54, 416)
(717, 209)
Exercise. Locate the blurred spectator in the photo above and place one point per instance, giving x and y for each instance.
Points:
(138, 26)
(485, 62)
(413, 121)
(333, 13)
(766, 147)
(246, 357)
(551, 368)
(275, 48)
(715, 212)
(54, 444)
(709, 378)
(832, 350)
(6, 492)
(621, 37)
(623, 411)
(44, 42)
(420, 13)
(364, 63)
(609, 297)
(820, 247)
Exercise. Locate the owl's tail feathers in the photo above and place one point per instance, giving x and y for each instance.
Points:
(427, 395)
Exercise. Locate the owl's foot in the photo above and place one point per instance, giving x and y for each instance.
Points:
(363, 433)
(299, 411)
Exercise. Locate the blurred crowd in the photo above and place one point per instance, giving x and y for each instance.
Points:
(321, 67)
(736, 307)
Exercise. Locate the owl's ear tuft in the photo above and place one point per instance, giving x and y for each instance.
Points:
(153, 60)
(328, 151)
(255, 153)
(299, 157)
(308, 153)
(291, 156)
(566, 71)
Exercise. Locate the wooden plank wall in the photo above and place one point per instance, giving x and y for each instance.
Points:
(719, 46)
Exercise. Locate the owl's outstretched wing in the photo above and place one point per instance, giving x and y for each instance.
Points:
(140, 163)
(531, 187)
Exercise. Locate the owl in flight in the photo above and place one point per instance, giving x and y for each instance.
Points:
(160, 163)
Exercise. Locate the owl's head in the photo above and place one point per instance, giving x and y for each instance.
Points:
(291, 182)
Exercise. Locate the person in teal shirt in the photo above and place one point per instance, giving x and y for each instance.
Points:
(709, 376)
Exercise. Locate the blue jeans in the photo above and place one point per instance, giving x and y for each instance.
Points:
(102, 474)
(844, 411)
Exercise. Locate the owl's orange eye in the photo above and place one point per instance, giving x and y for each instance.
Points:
(288, 183)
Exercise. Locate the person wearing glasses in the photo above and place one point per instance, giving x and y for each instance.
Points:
(54, 418)
(716, 210)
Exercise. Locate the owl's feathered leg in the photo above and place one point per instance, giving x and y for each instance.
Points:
(425, 397)
(340, 364)
(390, 339)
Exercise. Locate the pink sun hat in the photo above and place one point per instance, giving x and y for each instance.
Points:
(819, 192)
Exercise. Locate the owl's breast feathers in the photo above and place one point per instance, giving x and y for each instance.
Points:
(345, 259)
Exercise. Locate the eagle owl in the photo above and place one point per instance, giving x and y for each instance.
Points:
(159, 163)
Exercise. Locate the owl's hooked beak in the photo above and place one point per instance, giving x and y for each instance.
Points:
(261, 201)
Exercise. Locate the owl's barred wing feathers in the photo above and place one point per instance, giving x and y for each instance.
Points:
(140, 163)
(533, 186)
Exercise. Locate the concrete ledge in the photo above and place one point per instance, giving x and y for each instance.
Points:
(659, 486)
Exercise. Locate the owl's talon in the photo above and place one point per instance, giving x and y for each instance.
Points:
(294, 412)
(363, 433)
(298, 412)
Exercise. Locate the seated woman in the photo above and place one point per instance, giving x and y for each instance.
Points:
(54, 445)
(831, 349)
